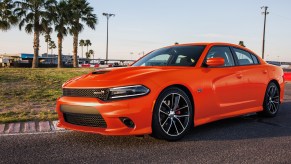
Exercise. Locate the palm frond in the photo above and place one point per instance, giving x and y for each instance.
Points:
(29, 28)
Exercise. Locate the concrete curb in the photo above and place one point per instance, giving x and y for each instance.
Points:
(29, 127)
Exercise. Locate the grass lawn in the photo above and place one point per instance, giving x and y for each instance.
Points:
(30, 94)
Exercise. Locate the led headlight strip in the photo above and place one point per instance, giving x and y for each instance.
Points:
(128, 91)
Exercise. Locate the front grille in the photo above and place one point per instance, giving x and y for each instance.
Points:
(96, 93)
(92, 120)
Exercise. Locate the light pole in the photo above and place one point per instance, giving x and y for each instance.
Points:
(108, 15)
(265, 16)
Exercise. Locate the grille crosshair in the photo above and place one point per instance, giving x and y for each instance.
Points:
(101, 94)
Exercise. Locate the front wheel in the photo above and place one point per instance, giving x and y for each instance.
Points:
(173, 115)
(272, 101)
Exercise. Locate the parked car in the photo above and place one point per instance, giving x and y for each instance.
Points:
(274, 63)
(170, 90)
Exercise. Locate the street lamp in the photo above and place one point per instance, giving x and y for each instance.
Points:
(108, 15)
(265, 17)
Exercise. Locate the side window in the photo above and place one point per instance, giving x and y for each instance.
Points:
(244, 58)
(222, 52)
(255, 59)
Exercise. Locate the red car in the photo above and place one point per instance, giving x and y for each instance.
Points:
(170, 90)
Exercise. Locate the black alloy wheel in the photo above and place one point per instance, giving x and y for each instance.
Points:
(272, 100)
(173, 115)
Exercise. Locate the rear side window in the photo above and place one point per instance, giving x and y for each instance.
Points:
(244, 58)
(255, 59)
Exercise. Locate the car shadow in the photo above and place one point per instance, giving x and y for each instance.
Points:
(245, 127)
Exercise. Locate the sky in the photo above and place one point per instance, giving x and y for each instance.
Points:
(141, 26)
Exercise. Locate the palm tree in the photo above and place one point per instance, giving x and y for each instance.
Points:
(81, 11)
(7, 17)
(47, 30)
(34, 16)
(60, 17)
(88, 43)
(52, 46)
(47, 39)
(89, 53)
(82, 44)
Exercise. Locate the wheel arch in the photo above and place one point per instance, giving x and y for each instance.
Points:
(277, 84)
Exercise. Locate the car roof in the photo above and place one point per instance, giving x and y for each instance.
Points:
(212, 44)
(219, 44)
(209, 43)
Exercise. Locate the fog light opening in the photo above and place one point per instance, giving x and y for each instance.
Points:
(127, 121)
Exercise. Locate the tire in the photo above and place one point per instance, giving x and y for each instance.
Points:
(172, 115)
(271, 101)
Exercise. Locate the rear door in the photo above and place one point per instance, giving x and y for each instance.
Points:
(255, 78)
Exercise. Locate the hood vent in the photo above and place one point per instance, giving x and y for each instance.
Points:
(100, 72)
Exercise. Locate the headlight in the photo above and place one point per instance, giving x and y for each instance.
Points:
(128, 91)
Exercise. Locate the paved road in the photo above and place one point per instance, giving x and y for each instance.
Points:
(248, 139)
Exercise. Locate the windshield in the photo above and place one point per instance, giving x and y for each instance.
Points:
(172, 56)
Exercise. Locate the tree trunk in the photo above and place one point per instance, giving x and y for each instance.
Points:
(47, 48)
(82, 51)
(36, 49)
(60, 42)
(75, 50)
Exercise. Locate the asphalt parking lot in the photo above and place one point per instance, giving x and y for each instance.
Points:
(247, 139)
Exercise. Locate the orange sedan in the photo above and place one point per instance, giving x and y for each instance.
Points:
(170, 90)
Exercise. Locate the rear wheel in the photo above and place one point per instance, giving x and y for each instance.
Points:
(272, 101)
(173, 115)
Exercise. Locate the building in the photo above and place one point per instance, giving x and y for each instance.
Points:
(7, 60)
(53, 59)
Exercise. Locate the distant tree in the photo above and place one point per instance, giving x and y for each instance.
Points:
(89, 53)
(47, 30)
(88, 43)
(52, 46)
(33, 15)
(82, 44)
(47, 39)
(7, 17)
(81, 12)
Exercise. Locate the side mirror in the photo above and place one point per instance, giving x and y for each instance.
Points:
(215, 62)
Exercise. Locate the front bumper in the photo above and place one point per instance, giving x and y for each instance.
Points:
(139, 110)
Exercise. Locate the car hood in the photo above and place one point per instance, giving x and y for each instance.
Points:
(117, 76)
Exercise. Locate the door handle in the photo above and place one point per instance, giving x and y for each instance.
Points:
(239, 76)
(265, 71)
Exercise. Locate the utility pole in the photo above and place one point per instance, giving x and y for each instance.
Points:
(265, 17)
(108, 15)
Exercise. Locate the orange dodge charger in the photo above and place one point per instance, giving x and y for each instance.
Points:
(171, 90)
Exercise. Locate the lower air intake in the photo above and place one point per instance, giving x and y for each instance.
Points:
(92, 120)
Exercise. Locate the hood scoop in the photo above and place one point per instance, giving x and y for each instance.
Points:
(100, 72)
